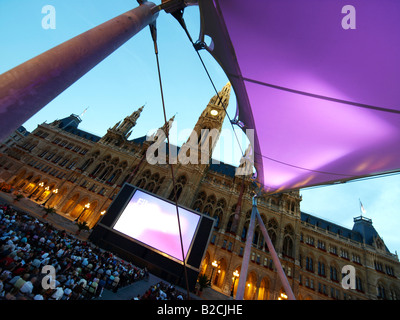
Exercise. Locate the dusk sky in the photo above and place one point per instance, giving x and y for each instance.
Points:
(128, 79)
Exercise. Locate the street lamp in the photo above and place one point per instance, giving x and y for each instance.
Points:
(87, 206)
(45, 189)
(283, 296)
(235, 276)
(215, 265)
(41, 184)
(55, 191)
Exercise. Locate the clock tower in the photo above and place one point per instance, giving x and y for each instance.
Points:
(206, 132)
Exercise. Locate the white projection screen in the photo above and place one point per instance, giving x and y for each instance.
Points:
(153, 222)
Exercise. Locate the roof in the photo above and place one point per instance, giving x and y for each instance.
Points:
(23, 131)
(223, 168)
(72, 121)
(70, 124)
(364, 226)
(219, 167)
(140, 140)
(363, 230)
(330, 226)
(82, 134)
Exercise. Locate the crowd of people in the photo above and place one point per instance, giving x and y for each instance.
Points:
(39, 262)
(161, 291)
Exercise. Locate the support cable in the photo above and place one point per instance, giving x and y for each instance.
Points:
(153, 31)
(255, 215)
(178, 15)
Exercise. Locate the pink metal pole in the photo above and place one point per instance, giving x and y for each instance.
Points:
(275, 258)
(246, 255)
(27, 88)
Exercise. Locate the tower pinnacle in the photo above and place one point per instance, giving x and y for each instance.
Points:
(129, 122)
(206, 131)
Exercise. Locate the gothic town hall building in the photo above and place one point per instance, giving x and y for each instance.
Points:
(67, 168)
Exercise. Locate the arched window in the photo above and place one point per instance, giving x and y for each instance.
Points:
(381, 294)
(155, 183)
(246, 226)
(123, 164)
(97, 170)
(221, 203)
(208, 209)
(158, 185)
(244, 231)
(114, 176)
(115, 161)
(106, 172)
(359, 285)
(229, 225)
(272, 228)
(218, 213)
(288, 234)
(256, 236)
(198, 204)
(288, 246)
(321, 268)
(86, 164)
(177, 190)
(141, 183)
(150, 186)
(309, 264)
(107, 158)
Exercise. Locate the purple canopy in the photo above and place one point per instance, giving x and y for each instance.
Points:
(324, 99)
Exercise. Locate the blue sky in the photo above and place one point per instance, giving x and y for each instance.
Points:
(128, 79)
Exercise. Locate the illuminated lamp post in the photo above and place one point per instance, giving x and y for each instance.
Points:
(215, 265)
(283, 296)
(235, 276)
(55, 191)
(41, 184)
(45, 189)
(87, 206)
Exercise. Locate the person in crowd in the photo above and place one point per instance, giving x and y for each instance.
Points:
(82, 270)
(161, 291)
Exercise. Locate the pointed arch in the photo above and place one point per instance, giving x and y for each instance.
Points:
(264, 289)
(288, 241)
(98, 169)
(70, 203)
(218, 214)
(113, 178)
(251, 286)
(79, 207)
(198, 204)
(177, 189)
(86, 164)
(220, 273)
(107, 171)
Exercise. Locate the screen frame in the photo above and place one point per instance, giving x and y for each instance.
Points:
(129, 197)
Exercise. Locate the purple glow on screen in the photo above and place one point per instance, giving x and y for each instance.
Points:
(153, 222)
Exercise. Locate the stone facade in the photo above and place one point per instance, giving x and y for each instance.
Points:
(84, 168)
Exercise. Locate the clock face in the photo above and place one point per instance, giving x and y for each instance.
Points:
(214, 112)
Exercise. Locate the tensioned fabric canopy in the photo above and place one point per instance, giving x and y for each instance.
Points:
(324, 99)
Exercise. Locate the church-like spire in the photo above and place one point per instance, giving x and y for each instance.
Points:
(222, 99)
(121, 131)
(206, 131)
(129, 122)
(166, 127)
